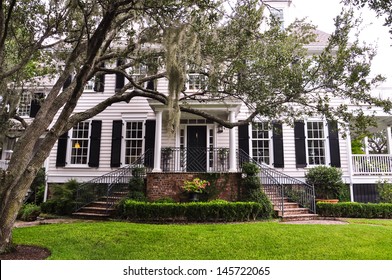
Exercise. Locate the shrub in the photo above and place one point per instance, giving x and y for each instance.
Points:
(63, 199)
(355, 210)
(384, 189)
(29, 212)
(213, 211)
(165, 200)
(250, 168)
(38, 188)
(327, 181)
(137, 184)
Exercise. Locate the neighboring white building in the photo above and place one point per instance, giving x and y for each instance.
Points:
(126, 131)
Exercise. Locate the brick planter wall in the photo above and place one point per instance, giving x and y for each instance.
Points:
(169, 185)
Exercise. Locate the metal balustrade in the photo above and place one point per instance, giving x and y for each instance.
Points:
(174, 159)
(372, 164)
(105, 187)
(279, 186)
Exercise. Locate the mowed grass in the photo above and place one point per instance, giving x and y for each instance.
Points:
(358, 240)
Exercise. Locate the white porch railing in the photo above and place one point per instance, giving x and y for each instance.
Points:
(372, 164)
(3, 164)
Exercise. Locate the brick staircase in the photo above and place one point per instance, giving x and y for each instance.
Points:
(292, 210)
(103, 208)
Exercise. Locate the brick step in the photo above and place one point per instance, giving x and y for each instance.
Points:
(111, 198)
(293, 211)
(96, 210)
(288, 205)
(302, 217)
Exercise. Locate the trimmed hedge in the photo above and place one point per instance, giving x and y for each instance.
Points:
(213, 211)
(355, 210)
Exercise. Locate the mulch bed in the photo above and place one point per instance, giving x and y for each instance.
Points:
(26, 252)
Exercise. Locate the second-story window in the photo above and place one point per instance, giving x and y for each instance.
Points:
(196, 82)
(138, 72)
(25, 104)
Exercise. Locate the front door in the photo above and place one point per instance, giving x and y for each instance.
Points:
(196, 148)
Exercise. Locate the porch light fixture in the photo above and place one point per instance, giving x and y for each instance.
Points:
(220, 128)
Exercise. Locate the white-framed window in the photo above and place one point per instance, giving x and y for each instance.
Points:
(261, 142)
(80, 141)
(90, 85)
(25, 104)
(138, 72)
(316, 142)
(196, 82)
(278, 14)
(134, 136)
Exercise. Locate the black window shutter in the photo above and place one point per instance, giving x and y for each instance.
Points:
(120, 78)
(334, 143)
(115, 159)
(67, 82)
(243, 138)
(150, 85)
(95, 143)
(35, 104)
(277, 141)
(300, 148)
(150, 143)
(99, 82)
(62, 143)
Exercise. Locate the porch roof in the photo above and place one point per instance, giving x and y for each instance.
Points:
(213, 107)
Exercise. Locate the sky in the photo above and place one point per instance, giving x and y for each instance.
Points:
(322, 12)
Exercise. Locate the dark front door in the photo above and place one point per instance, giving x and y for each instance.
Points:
(196, 148)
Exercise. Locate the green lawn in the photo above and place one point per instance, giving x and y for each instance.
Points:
(361, 239)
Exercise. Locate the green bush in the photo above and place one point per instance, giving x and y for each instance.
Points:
(38, 188)
(29, 212)
(355, 210)
(250, 168)
(384, 189)
(165, 200)
(213, 211)
(327, 182)
(63, 199)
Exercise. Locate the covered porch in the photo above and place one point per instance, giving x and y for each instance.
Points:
(198, 145)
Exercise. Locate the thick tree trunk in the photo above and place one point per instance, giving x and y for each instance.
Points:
(11, 199)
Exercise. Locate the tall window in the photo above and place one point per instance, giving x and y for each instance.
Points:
(133, 141)
(138, 72)
(80, 143)
(316, 142)
(261, 142)
(25, 104)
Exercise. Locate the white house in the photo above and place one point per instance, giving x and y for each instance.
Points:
(124, 132)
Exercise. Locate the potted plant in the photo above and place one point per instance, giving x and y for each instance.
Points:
(195, 187)
(327, 182)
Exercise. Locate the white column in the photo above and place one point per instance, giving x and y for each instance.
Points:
(366, 144)
(158, 142)
(389, 140)
(232, 153)
(350, 165)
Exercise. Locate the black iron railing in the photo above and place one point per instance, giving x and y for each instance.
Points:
(105, 187)
(174, 159)
(279, 186)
